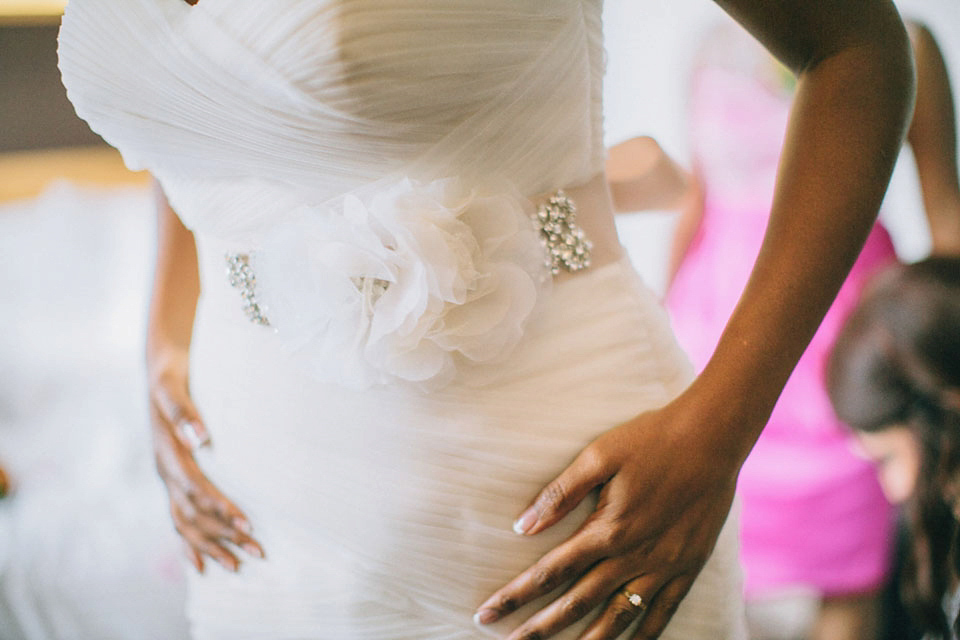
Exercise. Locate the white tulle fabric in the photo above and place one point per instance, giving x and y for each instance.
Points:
(348, 145)
(318, 98)
(418, 282)
(386, 513)
(259, 113)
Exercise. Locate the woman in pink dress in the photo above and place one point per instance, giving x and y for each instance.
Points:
(814, 520)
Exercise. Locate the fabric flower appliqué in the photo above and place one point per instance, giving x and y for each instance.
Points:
(411, 284)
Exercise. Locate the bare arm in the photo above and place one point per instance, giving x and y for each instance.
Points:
(176, 286)
(852, 60)
(643, 177)
(933, 139)
(689, 218)
(202, 515)
(666, 479)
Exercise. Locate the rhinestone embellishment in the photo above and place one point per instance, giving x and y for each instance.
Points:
(565, 247)
(636, 601)
(241, 276)
(565, 244)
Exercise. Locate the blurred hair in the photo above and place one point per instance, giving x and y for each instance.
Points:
(896, 362)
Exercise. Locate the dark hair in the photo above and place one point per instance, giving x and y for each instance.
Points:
(897, 362)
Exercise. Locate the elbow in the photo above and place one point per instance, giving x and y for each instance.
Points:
(878, 56)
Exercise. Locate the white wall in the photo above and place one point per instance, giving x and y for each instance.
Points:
(650, 45)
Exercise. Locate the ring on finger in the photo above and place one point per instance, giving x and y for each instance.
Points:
(635, 599)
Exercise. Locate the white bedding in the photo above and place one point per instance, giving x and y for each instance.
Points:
(86, 548)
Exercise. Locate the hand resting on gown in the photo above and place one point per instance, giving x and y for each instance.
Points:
(205, 518)
(666, 478)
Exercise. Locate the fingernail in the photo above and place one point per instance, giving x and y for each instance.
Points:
(525, 522)
(484, 616)
(192, 433)
(253, 550)
(242, 525)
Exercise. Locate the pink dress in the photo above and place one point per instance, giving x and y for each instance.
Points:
(813, 512)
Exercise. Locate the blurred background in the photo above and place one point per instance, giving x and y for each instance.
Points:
(86, 548)
(651, 48)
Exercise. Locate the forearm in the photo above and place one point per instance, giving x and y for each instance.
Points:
(688, 223)
(945, 228)
(642, 177)
(933, 139)
(846, 128)
(944, 220)
(176, 286)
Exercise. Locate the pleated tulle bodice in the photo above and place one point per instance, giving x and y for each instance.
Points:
(371, 160)
(240, 104)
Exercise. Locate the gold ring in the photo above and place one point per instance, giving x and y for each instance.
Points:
(635, 600)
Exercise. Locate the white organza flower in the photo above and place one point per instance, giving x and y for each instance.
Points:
(410, 284)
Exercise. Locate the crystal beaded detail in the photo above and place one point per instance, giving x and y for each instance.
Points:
(241, 276)
(636, 601)
(565, 247)
(564, 242)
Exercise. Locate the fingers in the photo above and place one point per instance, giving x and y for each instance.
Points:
(192, 433)
(561, 496)
(624, 607)
(177, 411)
(193, 556)
(202, 545)
(198, 498)
(211, 500)
(662, 608)
(561, 565)
(627, 606)
(207, 534)
(209, 523)
(579, 600)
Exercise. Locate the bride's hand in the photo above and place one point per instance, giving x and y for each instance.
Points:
(208, 522)
(664, 495)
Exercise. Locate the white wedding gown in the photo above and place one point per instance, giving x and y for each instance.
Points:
(420, 379)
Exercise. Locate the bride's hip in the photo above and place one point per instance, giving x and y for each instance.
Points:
(466, 457)
(601, 334)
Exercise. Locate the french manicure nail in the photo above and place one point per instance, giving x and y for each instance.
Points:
(242, 525)
(192, 435)
(484, 616)
(525, 522)
(253, 550)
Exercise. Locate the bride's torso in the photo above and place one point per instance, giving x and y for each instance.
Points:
(233, 101)
(353, 145)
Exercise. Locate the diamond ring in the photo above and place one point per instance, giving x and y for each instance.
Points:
(635, 600)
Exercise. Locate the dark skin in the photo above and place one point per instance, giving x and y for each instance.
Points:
(666, 479)
(932, 138)
(642, 176)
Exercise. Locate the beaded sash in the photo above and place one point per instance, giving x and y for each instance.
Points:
(413, 283)
(565, 246)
